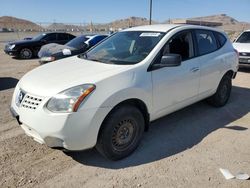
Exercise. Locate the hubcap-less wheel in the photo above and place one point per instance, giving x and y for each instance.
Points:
(222, 94)
(25, 53)
(123, 134)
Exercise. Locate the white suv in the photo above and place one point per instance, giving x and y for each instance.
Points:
(107, 96)
(242, 45)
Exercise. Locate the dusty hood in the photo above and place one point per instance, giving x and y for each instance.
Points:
(50, 79)
(49, 49)
(242, 47)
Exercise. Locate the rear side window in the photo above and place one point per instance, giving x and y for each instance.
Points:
(206, 41)
(221, 38)
(62, 36)
(50, 37)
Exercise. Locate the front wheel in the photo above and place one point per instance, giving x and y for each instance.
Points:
(223, 92)
(26, 53)
(121, 132)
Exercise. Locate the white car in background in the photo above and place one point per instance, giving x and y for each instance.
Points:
(108, 96)
(242, 45)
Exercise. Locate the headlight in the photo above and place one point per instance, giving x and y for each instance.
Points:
(69, 100)
(12, 46)
(48, 58)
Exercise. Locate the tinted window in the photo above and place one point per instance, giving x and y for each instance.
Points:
(221, 38)
(50, 37)
(96, 39)
(77, 42)
(39, 37)
(62, 36)
(206, 41)
(244, 38)
(71, 36)
(181, 44)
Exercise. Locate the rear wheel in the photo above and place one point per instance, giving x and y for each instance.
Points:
(26, 53)
(223, 92)
(121, 132)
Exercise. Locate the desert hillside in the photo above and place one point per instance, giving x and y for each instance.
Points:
(229, 24)
(15, 24)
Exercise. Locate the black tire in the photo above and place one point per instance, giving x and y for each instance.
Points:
(25, 53)
(121, 132)
(223, 92)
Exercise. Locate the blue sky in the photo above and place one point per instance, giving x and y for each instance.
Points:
(102, 11)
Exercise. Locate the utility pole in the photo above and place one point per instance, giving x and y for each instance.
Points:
(150, 14)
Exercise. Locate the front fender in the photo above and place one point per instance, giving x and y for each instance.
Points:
(126, 94)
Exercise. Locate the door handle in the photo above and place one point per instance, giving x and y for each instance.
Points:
(194, 69)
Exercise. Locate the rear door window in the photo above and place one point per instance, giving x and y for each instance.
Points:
(206, 41)
(50, 37)
(62, 36)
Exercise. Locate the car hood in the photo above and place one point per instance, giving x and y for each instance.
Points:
(50, 79)
(53, 48)
(20, 42)
(242, 47)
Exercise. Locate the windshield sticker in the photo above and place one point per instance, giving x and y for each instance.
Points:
(150, 34)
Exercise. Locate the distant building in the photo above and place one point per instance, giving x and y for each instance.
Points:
(196, 22)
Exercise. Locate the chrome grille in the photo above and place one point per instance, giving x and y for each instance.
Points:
(31, 102)
(244, 54)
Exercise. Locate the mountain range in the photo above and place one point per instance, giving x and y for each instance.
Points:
(17, 24)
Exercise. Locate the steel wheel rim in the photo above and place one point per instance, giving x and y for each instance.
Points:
(123, 134)
(224, 92)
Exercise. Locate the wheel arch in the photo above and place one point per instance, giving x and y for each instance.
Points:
(230, 73)
(26, 47)
(133, 102)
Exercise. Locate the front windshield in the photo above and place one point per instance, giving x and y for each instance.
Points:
(244, 38)
(127, 47)
(39, 37)
(77, 42)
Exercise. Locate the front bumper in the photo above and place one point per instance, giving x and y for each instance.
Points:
(11, 52)
(72, 131)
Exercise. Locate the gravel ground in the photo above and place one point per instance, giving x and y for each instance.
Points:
(183, 149)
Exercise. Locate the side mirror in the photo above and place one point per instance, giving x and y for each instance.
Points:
(168, 60)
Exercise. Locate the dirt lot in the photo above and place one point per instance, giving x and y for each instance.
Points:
(184, 149)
